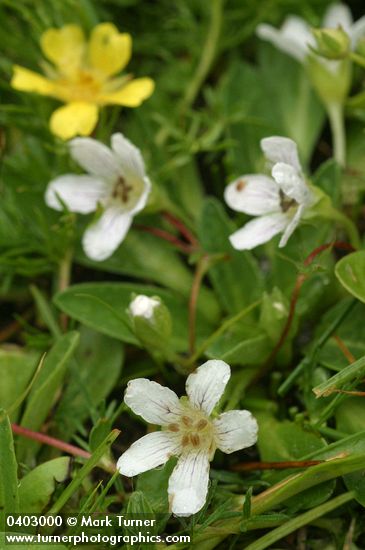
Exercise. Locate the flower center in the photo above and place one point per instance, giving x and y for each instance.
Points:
(81, 86)
(122, 190)
(286, 202)
(195, 431)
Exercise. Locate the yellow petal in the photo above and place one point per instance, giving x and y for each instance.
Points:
(132, 94)
(74, 119)
(64, 47)
(28, 81)
(109, 51)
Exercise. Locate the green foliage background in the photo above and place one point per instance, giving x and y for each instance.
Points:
(219, 90)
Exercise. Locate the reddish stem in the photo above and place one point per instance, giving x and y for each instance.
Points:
(301, 278)
(347, 392)
(180, 226)
(166, 236)
(248, 466)
(51, 441)
(345, 350)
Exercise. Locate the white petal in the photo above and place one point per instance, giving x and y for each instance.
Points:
(150, 451)
(235, 430)
(155, 403)
(205, 386)
(142, 201)
(258, 231)
(188, 484)
(338, 14)
(290, 228)
(357, 31)
(143, 306)
(291, 182)
(293, 38)
(95, 157)
(281, 149)
(128, 156)
(253, 194)
(79, 193)
(104, 236)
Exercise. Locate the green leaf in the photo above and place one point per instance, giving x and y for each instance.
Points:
(350, 271)
(291, 442)
(16, 369)
(141, 255)
(349, 446)
(93, 461)
(236, 280)
(135, 259)
(88, 384)
(9, 498)
(103, 307)
(37, 487)
(294, 107)
(350, 418)
(351, 331)
(45, 389)
(99, 432)
(329, 178)
(241, 345)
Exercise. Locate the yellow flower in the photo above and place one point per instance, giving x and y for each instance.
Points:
(81, 75)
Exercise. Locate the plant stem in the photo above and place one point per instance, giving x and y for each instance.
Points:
(208, 54)
(312, 356)
(294, 524)
(249, 466)
(184, 247)
(301, 278)
(201, 269)
(64, 278)
(64, 273)
(344, 349)
(51, 441)
(181, 227)
(336, 118)
(345, 376)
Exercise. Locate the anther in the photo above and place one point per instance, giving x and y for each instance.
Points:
(201, 424)
(173, 428)
(187, 421)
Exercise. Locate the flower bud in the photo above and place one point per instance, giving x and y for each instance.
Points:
(331, 43)
(330, 78)
(360, 46)
(151, 321)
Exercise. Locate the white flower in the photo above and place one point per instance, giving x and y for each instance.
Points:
(143, 306)
(295, 37)
(116, 181)
(279, 201)
(188, 431)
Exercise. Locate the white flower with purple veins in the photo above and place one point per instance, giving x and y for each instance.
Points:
(189, 431)
(116, 182)
(279, 201)
(295, 36)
